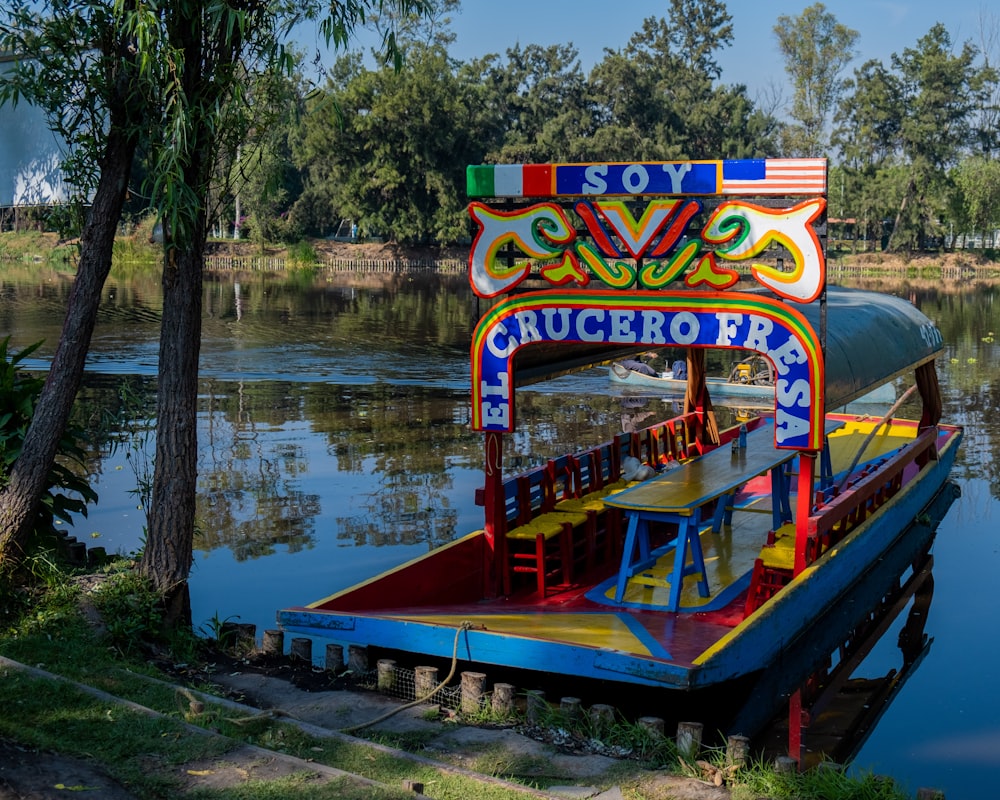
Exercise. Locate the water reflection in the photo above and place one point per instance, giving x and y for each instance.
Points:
(837, 701)
(839, 708)
(338, 406)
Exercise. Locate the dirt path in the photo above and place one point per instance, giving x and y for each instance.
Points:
(27, 774)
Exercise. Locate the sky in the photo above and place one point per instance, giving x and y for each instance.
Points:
(885, 27)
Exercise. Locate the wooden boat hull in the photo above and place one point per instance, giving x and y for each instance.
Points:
(432, 608)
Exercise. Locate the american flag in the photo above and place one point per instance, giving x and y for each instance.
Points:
(774, 176)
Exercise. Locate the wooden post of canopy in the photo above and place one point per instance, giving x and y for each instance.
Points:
(495, 524)
(697, 399)
(803, 507)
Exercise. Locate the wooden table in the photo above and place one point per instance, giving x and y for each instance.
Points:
(679, 495)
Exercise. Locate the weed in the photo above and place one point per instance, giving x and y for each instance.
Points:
(302, 254)
(486, 714)
(216, 628)
(132, 611)
(829, 781)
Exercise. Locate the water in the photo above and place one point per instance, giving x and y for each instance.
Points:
(334, 437)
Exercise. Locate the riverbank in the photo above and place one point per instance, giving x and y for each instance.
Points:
(99, 703)
(36, 246)
(328, 251)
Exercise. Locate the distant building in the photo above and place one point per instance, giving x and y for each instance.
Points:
(30, 155)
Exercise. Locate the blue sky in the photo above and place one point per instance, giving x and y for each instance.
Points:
(885, 27)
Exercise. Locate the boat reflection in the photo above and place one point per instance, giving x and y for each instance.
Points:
(828, 714)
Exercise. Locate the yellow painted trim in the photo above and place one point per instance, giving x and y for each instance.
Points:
(599, 630)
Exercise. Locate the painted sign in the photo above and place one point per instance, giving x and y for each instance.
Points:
(740, 321)
(548, 241)
(765, 176)
(655, 273)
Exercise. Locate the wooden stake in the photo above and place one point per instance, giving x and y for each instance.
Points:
(301, 650)
(274, 643)
(503, 699)
(472, 692)
(689, 739)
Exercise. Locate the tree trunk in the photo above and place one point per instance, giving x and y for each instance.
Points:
(208, 57)
(28, 475)
(168, 555)
(890, 245)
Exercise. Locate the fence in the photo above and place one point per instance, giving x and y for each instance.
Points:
(220, 263)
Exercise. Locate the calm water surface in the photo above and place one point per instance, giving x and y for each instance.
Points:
(334, 444)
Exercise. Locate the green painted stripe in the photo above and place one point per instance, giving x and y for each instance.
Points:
(479, 181)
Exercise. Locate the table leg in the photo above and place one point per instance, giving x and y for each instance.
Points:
(687, 539)
(781, 509)
(723, 512)
(625, 570)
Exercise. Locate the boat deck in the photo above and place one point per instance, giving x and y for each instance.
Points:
(585, 616)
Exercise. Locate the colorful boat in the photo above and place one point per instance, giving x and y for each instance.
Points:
(742, 539)
(756, 387)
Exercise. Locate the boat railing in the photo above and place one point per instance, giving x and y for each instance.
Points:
(834, 517)
(670, 440)
(593, 469)
(836, 513)
(539, 504)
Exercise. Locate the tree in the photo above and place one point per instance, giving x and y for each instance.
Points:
(173, 77)
(867, 134)
(658, 98)
(977, 180)
(938, 94)
(987, 123)
(389, 150)
(265, 175)
(531, 107)
(816, 49)
(205, 49)
(901, 130)
(83, 71)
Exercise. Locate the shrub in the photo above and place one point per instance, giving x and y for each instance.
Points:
(68, 491)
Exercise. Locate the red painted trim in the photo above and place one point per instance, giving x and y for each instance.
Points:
(495, 525)
(537, 179)
(803, 501)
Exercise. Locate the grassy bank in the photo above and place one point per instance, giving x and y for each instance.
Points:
(100, 632)
(137, 250)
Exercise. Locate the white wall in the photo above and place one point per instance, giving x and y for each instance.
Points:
(29, 157)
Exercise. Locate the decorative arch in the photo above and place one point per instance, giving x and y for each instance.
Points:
(684, 319)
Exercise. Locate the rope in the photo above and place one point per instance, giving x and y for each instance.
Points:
(857, 456)
(196, 707)
(466, 625)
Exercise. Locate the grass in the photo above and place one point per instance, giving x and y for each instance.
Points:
(828, 782)
(301, 788)
(48, 631)
(29, 246)
(135, 748)
(45, 628)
